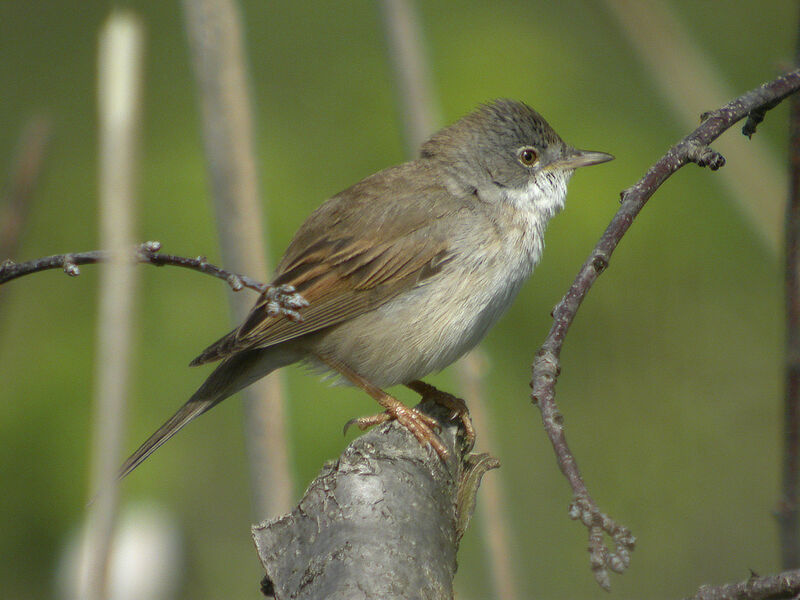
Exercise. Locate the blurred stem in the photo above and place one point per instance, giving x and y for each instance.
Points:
(215, 41)
(788, 508)
(493, 506)
(23, 178)
(119, 82)
(410, 65)
(420, 117)
(690, 82)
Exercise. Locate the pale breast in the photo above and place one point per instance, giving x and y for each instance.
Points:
(429, 327)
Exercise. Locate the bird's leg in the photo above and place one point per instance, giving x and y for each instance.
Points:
(456, 405)
(418, 423)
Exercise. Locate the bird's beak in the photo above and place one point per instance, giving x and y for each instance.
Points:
(580, 158)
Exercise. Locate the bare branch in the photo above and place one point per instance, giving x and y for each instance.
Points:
(147, 253)
(546, 366)
(775, 587)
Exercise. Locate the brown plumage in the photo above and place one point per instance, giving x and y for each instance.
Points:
(406, 270)
(341, 276)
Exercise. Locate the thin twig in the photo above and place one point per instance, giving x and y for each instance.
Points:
(546, 367)
(787, 512)
(146, 253)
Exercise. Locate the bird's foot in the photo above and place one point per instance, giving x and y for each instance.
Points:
(418, 423)
(456, 405)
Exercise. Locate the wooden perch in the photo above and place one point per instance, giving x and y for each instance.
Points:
(383, 521)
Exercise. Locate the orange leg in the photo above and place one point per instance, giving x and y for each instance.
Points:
(420, 424)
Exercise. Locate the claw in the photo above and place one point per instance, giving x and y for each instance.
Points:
(456, 405)
(419, 424)
(364, 423)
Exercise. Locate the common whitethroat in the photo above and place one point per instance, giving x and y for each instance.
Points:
(399, 275)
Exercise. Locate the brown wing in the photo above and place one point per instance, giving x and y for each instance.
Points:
(400, 242)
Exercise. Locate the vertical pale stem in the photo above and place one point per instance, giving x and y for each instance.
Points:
(24, 176)
(215, 41)
(691, 84)
(411, 72)
(420, 118)
(119, 83)
(492, 508)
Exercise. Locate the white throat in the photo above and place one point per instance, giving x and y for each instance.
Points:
(543, 197)
(532, 208)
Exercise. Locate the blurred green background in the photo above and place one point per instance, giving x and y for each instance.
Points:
(672, 374)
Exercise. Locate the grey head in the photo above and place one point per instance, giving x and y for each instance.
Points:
(505, 147)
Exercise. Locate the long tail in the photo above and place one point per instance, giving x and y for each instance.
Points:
(193, 408)
(228, 378)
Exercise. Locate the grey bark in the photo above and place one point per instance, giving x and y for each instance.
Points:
(382, 521)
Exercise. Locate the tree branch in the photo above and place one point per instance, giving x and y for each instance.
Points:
(382, 522)
(775, 587)
(146, 253)
(546, 366)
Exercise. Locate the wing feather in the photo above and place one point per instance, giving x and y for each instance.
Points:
(341, 275)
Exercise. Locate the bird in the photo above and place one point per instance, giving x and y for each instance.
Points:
(399, 275)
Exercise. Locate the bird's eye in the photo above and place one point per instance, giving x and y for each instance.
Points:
(528, 156)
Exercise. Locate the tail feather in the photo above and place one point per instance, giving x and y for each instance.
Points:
(229, 377)
(193, 408)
